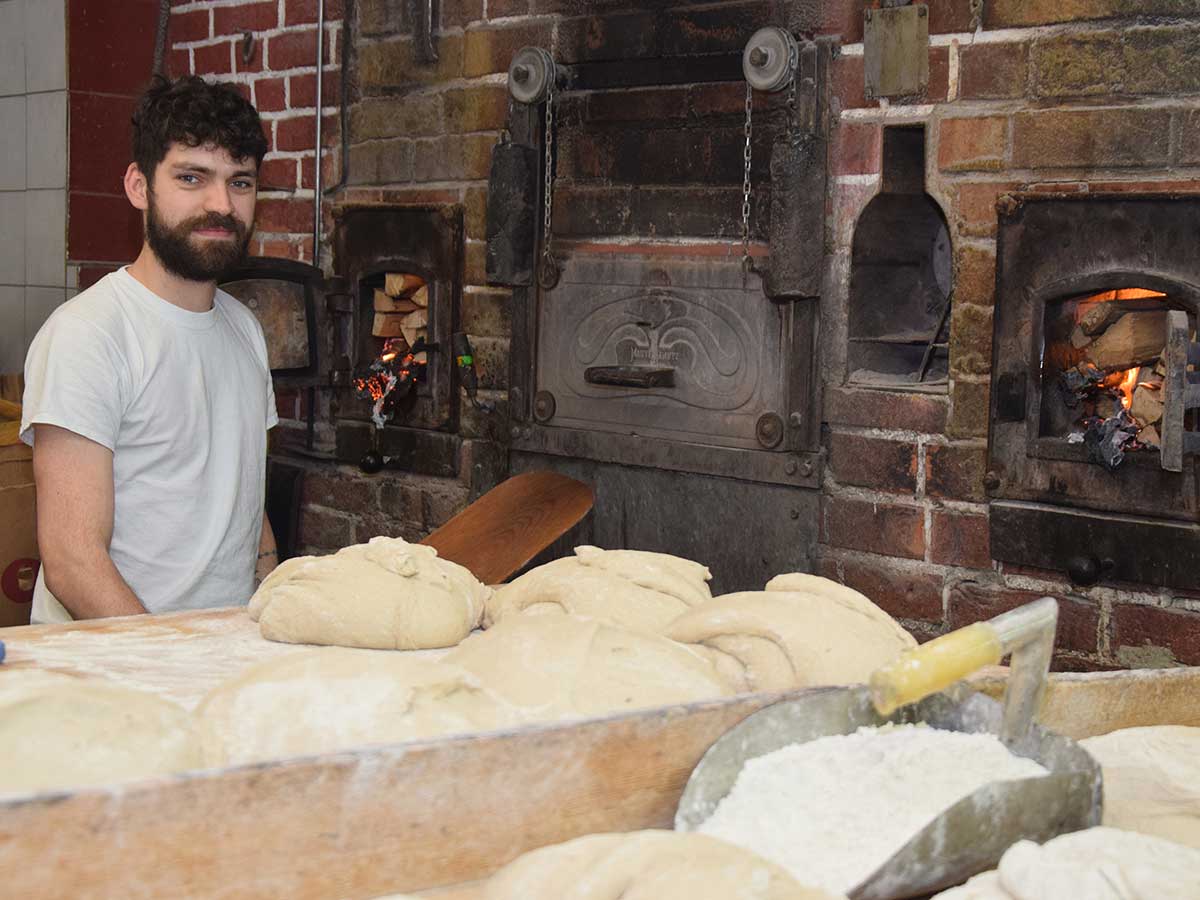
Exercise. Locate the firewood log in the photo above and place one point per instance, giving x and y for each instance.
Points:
(1135, 339)
(397, 284)
(386, 304)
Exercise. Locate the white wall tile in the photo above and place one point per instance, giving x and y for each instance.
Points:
(12, 143)
(46, 45)
(12, 328)
(12, 47)
(12, 237)
(39, 303)
(45, 238)
(46, 140)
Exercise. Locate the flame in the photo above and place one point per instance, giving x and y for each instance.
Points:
(1128, 385)
(1124, 294)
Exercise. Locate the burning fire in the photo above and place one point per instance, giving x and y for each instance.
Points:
(390, 378)
(1127, 386)
(1108, 355)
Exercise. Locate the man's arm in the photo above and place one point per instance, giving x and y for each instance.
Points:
(268, 553)
(74, 478)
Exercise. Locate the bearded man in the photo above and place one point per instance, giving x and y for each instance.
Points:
(148, 396)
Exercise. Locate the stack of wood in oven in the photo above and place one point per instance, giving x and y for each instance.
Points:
(402, 311)
(1127, 336)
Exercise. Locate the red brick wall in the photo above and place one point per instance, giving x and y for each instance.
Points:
(1035, 94)
(280, 79)
(104, 231)
(1044, 94)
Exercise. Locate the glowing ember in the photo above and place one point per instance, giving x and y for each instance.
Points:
(390, 378)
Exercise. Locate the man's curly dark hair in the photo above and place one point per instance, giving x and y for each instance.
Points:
(196, 113)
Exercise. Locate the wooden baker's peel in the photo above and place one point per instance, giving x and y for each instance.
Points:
(512, 523)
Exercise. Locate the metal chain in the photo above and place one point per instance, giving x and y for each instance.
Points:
(547, 236)
(746, 182)
(792, 124)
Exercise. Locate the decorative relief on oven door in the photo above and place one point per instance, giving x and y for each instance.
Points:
(676, 350)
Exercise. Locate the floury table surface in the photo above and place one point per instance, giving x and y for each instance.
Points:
(178, 656)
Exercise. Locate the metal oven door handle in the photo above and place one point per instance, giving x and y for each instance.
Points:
(630, 376)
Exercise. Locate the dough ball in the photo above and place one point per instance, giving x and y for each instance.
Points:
(630, 588)
(1152, 781)
(645, 865)
(558, 667)
(1096, 864)
(59, 732)
(385, 595)
(330, 699)
(776, 640)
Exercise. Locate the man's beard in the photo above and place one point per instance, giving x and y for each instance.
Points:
(202, 259)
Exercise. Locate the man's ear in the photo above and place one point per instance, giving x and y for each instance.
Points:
(137, 188)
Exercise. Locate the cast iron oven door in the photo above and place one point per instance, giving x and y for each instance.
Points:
(692, 359)
(1050, 507)
(670, 363)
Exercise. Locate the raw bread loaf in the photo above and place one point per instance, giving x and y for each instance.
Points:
(330, 699)
(59, 732)
(1096, 864)
(776, 640)
(645, 865)
(804, 583)
(630, 588)
(1151, 780)
(557, 667)
(387, 595)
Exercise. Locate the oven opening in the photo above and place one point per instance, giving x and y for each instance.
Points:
(1104, 369)
(396, 347)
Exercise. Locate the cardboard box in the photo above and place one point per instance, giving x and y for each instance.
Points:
(18, 534)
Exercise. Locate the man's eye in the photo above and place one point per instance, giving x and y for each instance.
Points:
(243, 185)
(189, 179)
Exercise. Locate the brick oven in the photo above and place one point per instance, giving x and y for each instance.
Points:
(880, 397)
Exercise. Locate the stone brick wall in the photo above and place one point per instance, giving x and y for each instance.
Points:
(1039, 95)
(279, 77)
(1023, 94)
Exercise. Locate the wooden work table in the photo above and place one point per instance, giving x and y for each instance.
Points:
(433, 817)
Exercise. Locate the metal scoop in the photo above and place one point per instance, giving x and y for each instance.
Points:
(971, 835)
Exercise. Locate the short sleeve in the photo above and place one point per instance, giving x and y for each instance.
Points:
(75, 378)
(261, 346)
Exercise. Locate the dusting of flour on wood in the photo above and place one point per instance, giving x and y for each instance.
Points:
(833, 810)
(178, 656)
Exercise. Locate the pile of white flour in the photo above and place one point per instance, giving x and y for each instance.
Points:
(831, 811)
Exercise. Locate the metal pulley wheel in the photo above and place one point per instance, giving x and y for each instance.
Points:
(530, 75)
(770, 59)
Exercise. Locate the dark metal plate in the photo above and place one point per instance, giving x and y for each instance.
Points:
(724, 342)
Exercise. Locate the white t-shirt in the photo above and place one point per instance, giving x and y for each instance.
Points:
(184, 401)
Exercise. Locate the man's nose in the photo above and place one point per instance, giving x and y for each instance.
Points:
(218, 200)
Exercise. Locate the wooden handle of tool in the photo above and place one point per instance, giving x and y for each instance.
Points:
(934, 666)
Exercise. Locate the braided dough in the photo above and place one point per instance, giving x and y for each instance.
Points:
(387, 594)
(558, 667)
(1151, 780)
(329, 699)
(645, 865)
(776, 640)
(1097, 864)
(58, 732)
(630, 588)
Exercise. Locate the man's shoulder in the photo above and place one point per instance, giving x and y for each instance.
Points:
(237, 312)
(100, 306)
